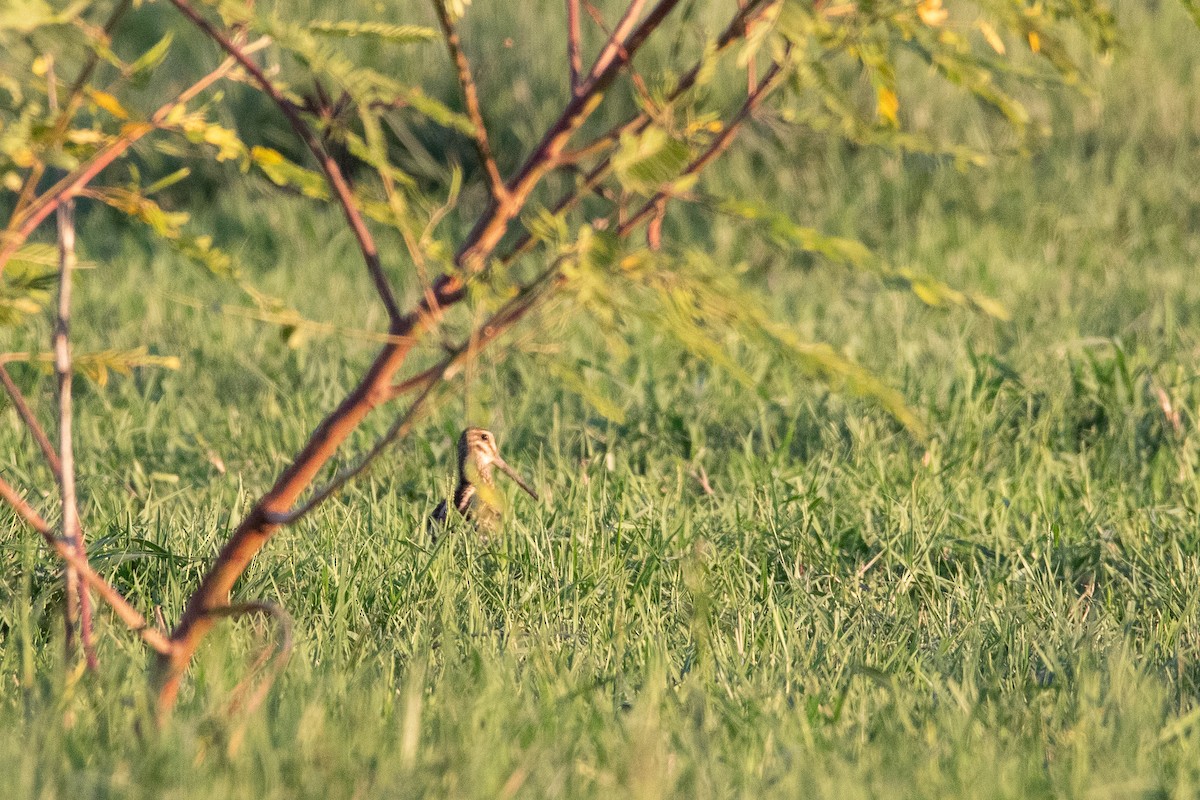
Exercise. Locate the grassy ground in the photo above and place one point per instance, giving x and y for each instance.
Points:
(1010, 612)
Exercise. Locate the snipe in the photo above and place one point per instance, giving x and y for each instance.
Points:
(476, 496)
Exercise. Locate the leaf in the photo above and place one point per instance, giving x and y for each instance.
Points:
(97, 366)
(167, 180)
(152, 57)
(991, 36)
(932, 13)
(438, 112)
(107, 102)
(396, 34)
(645, 162)
(165, 223)
(283, 172)
(888, 105)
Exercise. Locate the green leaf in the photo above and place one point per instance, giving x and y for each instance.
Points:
(283, 172)
(645, 162)
(396, 34)
(152, 57)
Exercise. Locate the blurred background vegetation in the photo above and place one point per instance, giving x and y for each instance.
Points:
(1006, 610)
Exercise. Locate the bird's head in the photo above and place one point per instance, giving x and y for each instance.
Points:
(478, 453)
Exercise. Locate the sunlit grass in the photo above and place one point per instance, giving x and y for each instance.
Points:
(1008, 610)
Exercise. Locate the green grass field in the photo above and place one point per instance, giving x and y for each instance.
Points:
(1009, 611)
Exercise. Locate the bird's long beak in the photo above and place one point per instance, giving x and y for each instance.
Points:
(512, 473)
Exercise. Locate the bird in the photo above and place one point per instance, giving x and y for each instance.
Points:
(476, 497)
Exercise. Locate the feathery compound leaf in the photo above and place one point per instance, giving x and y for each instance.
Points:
(283, 172)
(397, 34)
(97, 366)
(650, 159)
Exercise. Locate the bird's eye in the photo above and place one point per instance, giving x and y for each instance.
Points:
(483, 436)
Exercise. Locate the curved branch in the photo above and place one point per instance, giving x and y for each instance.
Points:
(239, 702)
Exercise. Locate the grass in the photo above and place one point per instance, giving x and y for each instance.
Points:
(1008, 612)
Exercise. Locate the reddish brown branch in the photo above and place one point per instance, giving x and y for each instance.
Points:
(493, 224)
(736, 28)
(31, 422)
(120, 606)
(257, 528)
(471, 97)
(24, 222)
(328, 165)
(574, 58)
(719, 145)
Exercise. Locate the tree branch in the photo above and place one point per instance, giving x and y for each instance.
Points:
(78, 604)
(120, 606)
(736, 28)
(328, 165)
(493, 224)
(574, 59)
(471, 96)
(24, 222)
(72, 530)
(257, 527)
(770, 81)
(31, 421)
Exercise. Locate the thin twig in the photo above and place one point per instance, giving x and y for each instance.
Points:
(770, 81)
(78, 607)
(24, 222)
(507, 316)
(638, 82)
(240, 700)
(120, 606)
(616, 42)
(574, 58)
(327, 163)
(737, 27)
(490, 228)
(471, 96)
(30, 420)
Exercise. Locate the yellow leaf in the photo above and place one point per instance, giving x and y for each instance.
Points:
(992, 37)
(992, 307)
(1035, 42)
(85, 136)
(932, 13)
(109, 103)
(889, 104)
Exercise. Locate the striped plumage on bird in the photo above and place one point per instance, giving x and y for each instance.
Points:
(476, 496)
